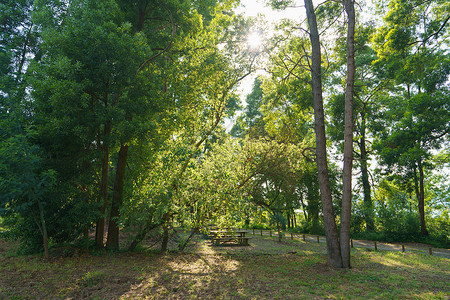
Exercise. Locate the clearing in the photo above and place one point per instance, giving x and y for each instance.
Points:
(267, 269)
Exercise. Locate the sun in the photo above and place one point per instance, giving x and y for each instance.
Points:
(254, 40)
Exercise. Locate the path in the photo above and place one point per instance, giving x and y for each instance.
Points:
(398, 247)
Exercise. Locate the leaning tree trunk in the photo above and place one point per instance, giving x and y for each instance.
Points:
(112, 242)
(333, 249)
(348, 138)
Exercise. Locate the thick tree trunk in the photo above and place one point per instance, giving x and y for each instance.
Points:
(368, 206)
(348, 137)
(421, 200)
(112, 242)
(333, 249)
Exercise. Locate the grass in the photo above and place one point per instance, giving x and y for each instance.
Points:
(267, 269)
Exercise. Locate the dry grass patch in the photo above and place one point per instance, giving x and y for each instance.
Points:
(266, 269)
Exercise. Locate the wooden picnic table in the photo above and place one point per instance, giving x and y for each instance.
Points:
(221, 237)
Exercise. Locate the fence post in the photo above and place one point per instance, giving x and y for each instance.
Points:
(375, 243)
(304, 238)
(292, 236)
(270, 232)
(403, 248)
(261, 232)
(430, 250)
(318, 239)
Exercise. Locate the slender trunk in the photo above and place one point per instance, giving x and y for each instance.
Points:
(423, 228)
(142, 233)
(112, 242)
(288, 219)
(24, 53)
(295, 221)
(348, 138)
(416, 182)
(100, 229)
(333, 249)
(165, 240)
(368, 207)
(183, 246)
(43, 229)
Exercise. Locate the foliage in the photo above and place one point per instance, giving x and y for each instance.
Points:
(115, 109)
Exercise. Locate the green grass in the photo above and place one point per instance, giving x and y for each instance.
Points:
(267, 269)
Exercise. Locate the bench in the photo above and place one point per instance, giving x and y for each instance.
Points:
(223, 240)
(243, 241)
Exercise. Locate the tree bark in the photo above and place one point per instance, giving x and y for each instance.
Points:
(333, 249)
(421, 200)
(368, 206)
(100, 229)
(348, 137)
(165, 240)
(43, 229)
(112, 242)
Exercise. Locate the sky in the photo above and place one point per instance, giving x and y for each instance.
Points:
(253, 8)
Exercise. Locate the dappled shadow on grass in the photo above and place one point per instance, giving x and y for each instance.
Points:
(266, 269)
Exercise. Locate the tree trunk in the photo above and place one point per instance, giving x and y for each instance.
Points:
(142, 233)
(348, 138)
(112, 242)
(295, 221)
(421, 200)
(333, 249)
(165, 240)
(100, 229)
(43, 229)
(368, 206)
(195, 230)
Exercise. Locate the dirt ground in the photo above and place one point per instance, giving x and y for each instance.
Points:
(267, 269)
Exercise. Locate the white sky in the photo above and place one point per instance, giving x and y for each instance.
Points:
(252, 8)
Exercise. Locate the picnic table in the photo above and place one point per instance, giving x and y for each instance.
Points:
(222, 237)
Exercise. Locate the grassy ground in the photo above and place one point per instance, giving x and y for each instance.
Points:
(267, 269)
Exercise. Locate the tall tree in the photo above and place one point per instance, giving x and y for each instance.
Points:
(333, 247)
(348, 136)
(409, 47)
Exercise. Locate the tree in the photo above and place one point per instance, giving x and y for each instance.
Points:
(314, 64)
(25, 187)
(333, 248)
(24, 183)
(251, 122)
(409, 51)
(205, 82)
(348, 136)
